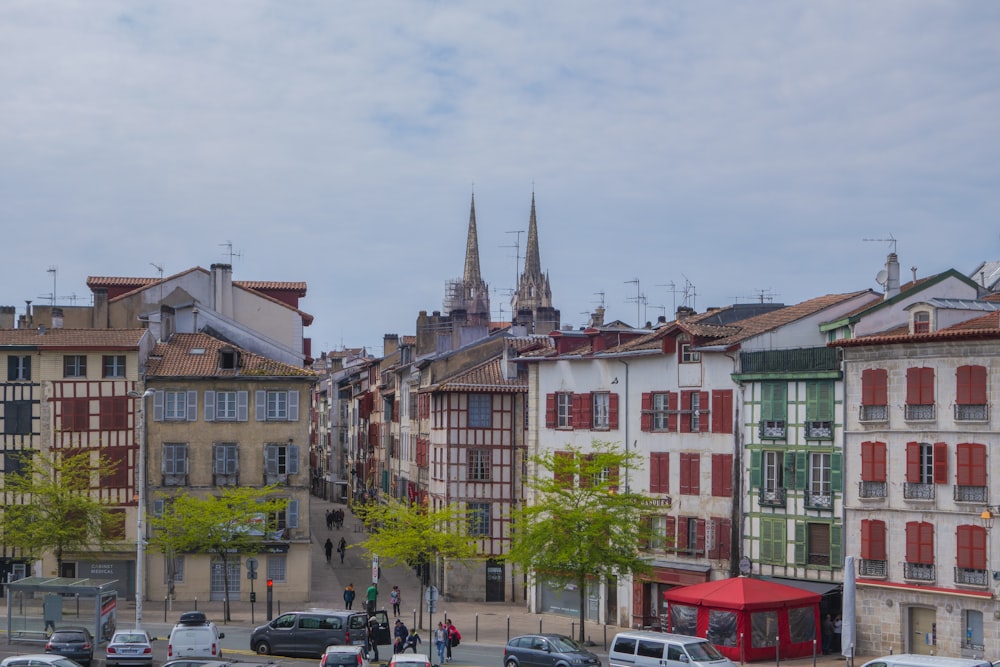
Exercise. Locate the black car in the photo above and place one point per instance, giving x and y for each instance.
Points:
(75, 643)
(547, 650)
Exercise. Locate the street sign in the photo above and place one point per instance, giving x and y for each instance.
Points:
(252, 565)
(375, 568)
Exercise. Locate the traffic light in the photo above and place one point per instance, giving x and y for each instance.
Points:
(270, 584)
(253, 596)
(270, 598)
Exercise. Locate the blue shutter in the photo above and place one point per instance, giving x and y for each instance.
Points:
(293, 459)
(183, 456)
(242, 406)
(293, 406)
(219, 468)
(158, 505)
(157, 406)
(192, 406)
(260, 407)
(271, 459)
(292, 514)
(210, 406)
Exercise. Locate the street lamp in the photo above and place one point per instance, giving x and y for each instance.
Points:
(140, 483)
(988, 515)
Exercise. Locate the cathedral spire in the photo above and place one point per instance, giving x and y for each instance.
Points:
(472, 275)
(531, 305)
(532, 262)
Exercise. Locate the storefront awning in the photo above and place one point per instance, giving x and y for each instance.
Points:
(819, 587)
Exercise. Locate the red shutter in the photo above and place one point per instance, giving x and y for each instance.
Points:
(699, 530)
(971, 547)
(580, 417)
(703, 409)
(963, 545)
(873, 386)
(978, 382)
(713, 551)
(970, 386)
(913, 542)
(873, 461)
(913, 462)
(671, 541)
(872, 539)
(686, 412)
(967, 460)
(919, 386)
(669, 345)
(940, 463)
(671, 410)
(722, 548)
(613, 411)
(716, 475)
(926, 543)
(646, 414)
(550, 411)
(695, 474)
(682, 533)
(926, 386)
(685, 487)
(659, 472)
(724, 470)
(722, 411)
(613, 477)
(586, 468)
(563, 462)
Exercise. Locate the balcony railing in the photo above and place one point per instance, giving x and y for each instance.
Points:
(919, 412)
(918, 491)
(784, 361)
(819, 501)
(772, 497)
(972, 413)
(918, 571)
(873, 413)
(873, 568)
(773, 429)
(872, 489)
(970, 577)
(971, 494)
(819, 430)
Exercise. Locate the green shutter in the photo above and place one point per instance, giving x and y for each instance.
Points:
(788, 478)
(836, 475)
(801, 470)
(779, 548)
(755, 477)
(765, 540)
(800, 542)
(836, 550)
(774, 404)
(819, 401)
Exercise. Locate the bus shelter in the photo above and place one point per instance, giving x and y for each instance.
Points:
(36, 605)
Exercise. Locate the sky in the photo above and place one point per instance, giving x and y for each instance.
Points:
(680, 153)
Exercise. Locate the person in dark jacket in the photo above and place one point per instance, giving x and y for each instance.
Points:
(349, 594)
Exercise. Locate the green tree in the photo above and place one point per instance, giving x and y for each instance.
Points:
(235, 522)
(405, 534)
(50, 505)
(578, 525)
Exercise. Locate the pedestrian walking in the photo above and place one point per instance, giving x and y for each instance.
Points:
(440, 642)
(372, 640)
(399, 633)
(328, 548)
(394, 596)
(329, 519)
(349, 595)
(411, 642)
(453, 636)
(371, 597)
(342, 550)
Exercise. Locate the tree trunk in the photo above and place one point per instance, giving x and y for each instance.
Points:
(225, 589)
(582, 582)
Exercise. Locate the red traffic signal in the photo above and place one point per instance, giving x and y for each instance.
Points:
(270, 583)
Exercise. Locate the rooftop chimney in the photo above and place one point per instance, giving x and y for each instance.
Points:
(891, 275)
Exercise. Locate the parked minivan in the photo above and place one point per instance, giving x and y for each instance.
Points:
(309, 632)
(194, 636)
(918, 660)
(661, 649)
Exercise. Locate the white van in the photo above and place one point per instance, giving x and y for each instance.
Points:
(194, 637)
(662, 649)
(918, 660)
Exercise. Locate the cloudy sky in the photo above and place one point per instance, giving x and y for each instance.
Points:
(745, 150)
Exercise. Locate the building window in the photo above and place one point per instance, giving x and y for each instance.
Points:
(919, 394)
(18, 367)
(973, 640)
(691, 536)
(817, 543)
(970, 473)
(175, 405)
(601, 405)
(873, 470)
(281, 460)
(688, 354)
(479, 519)
(15, 462)
(970, 565)
(659, 472)
(690, 474)
(874, 395)
(226, 463)
(173, 573)
(919, 564)
(117, 473)
(286, 518)
(926, 465)
(175, 464)
(773, 409)
(225, 405)
(277, 568)
(479, 465)
(113, 527)
(229, 359)
(564, 410)
(819, 495)
(480, 411)
(17, 417)
(661, 407)
(113, 366)
(970, 394)
(75, 414)
(657, 532)
(773, 546)
(280, 406)
(873, 549)
(722, 475)
(921, 322)
(114, 413)
(75, 366)
(772, 487)
(819, 410)
(277, 405)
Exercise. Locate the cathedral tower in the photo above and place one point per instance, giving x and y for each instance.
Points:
(531, 304)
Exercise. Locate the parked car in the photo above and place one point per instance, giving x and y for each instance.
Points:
(344, 656)
(75, 643)
(38, 660)
(309, 632)
(641, 648)
(194, 636)
(547, 650)
(129, 647)
(410, 660)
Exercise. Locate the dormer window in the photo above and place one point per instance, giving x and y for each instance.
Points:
(921, 322)
(688, 354)
(229, 360)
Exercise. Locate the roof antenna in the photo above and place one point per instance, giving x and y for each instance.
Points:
(888, 239)
(228, 245)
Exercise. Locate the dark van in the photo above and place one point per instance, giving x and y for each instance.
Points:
(309, 632)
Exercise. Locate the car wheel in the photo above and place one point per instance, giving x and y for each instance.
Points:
(263, 648)
(511, 663)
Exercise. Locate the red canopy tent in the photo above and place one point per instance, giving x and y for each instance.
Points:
(747, 619)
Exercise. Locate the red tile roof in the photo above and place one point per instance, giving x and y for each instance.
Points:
(486, 377)
(80, 339)
(197, 355)
(984, 326)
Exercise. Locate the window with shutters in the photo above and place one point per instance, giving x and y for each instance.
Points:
(175, 464)
(277, 406)
(819, 493)
(772, 488)
(601, 403)
(75, 414)
(660, 411)
(480, 411)
(874, 395)
(926, 465)
(722, 475)
(919, 394)
(657, 532)
(479, 465)
(773, 543)
(970, 394)
(18, 367)
(970, 562)
(819, 410)
(921, 321)
(873, 549)
(563, 470)
(116, 473)
(280, 461)
(286, 518)
(175, 405)
(226, 464)
(225, 406)
(690, 536)
(919, 563)
(113, 366)
(114, 413)
(773, 410)
(722, 411)
(718, 538)
(690, 474)
(659, 472)
(970, 473)
(17, 418)
(693, 405)
(75, 366)
(873, 470)
(564, 410)
(818, 543)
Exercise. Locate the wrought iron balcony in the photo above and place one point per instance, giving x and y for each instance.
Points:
(918, 491)
(971, 494)
(918, 571)
(919, 412)
(972, 413)
(772, 497)
(873, 568)
(970, 577)
(873, 413)
(872, 489)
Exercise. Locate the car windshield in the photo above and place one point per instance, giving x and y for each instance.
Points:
(702, 651)
(566, 645)
(67, 636)
(130, 638)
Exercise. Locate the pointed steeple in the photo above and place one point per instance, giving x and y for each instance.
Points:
(472, 275)
(532, 262)
(531, 304)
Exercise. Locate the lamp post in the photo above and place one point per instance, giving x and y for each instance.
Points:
(140, 482)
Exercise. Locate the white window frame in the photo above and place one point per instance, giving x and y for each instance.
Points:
(277, 405)
(772, 466)
(820, 471)
(479, 467)
(661, 414)
(601, 410)
(175, 405)
(695, 412)
(225, 405)
(564, 410)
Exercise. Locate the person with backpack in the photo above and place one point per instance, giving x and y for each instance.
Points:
(395, 598)
(400, 633)
(454, 637)
(411, 642)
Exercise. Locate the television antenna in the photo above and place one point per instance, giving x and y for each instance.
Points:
(517, 254)
(889, 239)
(228, 245)
(159, 267)
(51, 297)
